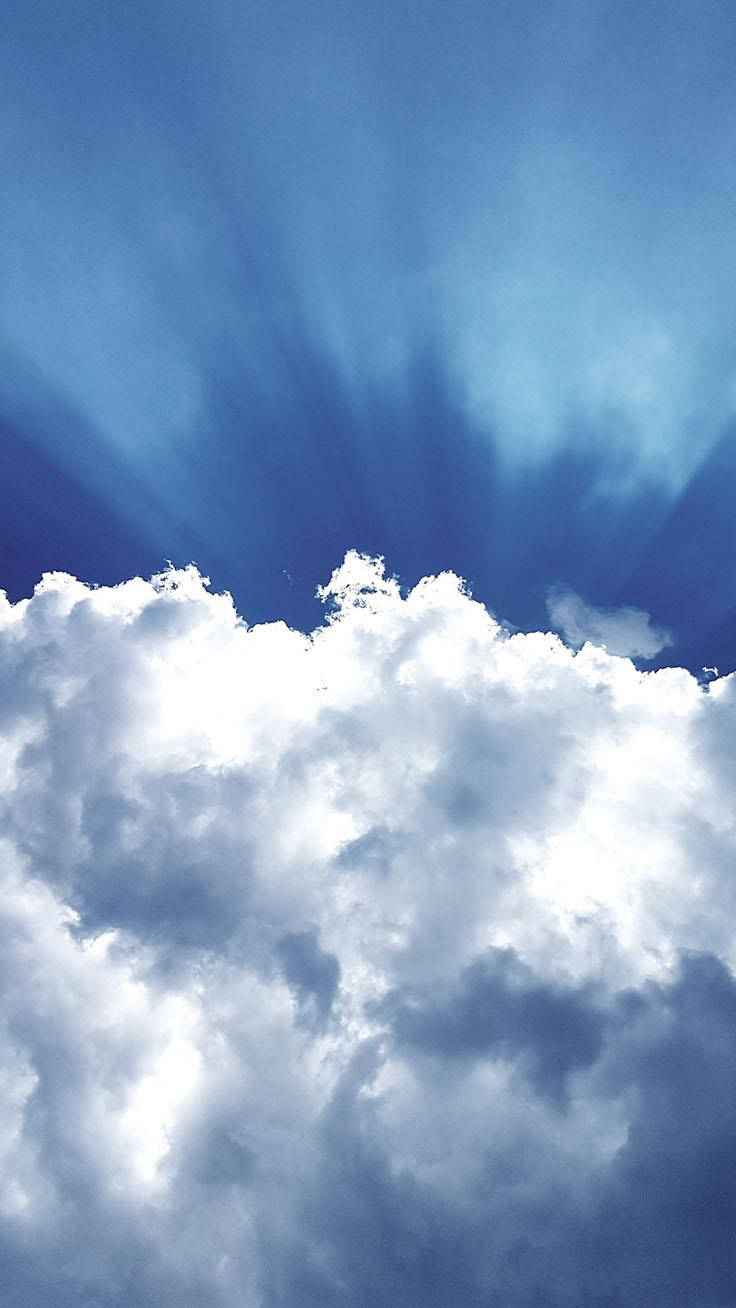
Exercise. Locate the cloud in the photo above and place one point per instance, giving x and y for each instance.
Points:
(378, 965)
(500, 1005)
(312, 974)
(627, 631)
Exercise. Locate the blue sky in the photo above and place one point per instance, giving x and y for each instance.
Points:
(449, 286)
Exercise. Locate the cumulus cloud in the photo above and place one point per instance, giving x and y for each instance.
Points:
(627, 631)
(390, 964)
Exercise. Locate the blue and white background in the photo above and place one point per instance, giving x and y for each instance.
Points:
(375, 946)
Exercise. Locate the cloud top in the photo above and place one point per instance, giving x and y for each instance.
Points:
(378, 965)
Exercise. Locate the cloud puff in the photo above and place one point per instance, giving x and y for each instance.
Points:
(626, 630)
(390, 964)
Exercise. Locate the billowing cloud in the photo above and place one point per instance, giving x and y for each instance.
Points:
(387, 965)
(625, 630)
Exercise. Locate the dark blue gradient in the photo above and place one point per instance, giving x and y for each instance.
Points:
(450, 285)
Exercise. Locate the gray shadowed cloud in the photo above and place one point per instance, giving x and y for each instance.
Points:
(312, 974)
(500, 1008)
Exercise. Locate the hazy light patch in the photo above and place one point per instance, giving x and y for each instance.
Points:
(626, 631)
(548, 364)
(17, 1083)
(157, 1101)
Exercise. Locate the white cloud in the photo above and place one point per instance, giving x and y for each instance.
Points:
(627, 631)
(325, 956)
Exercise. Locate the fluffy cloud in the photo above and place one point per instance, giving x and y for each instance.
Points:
(386, 965)
(626, 630)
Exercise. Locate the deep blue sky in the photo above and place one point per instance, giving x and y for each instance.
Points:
(453, 284)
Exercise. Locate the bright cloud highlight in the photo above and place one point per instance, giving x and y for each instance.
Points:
(390, 964)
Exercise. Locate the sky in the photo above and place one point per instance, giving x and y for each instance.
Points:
(452, 286)
(368, 406)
